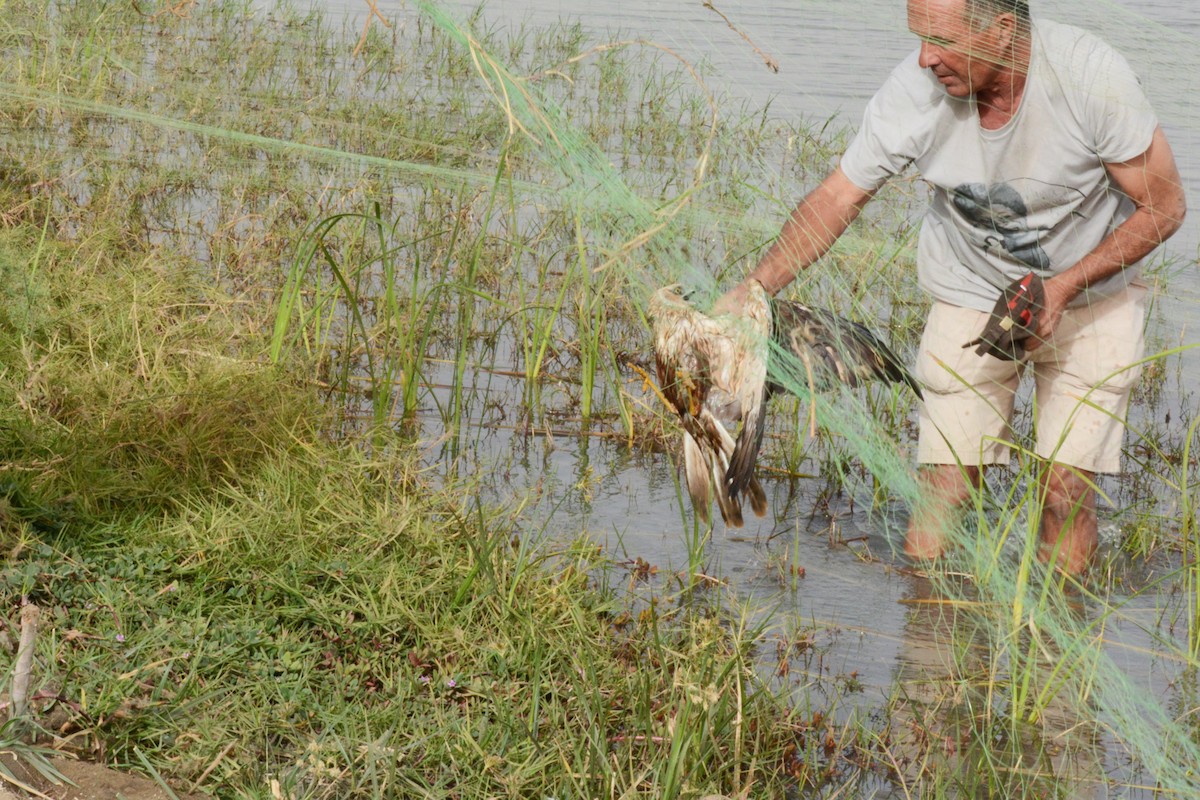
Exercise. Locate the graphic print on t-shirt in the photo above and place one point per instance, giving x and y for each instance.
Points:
(1001, 217)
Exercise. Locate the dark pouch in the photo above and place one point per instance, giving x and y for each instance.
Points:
(1013, 319)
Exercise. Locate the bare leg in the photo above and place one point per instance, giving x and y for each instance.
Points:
(1068, 528)
(944, 489)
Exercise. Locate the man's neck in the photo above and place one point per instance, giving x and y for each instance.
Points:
(998, 103)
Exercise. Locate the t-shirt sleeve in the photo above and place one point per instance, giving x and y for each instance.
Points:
(1115, 108)
(888, 139)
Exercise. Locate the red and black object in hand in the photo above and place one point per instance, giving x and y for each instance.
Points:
(1013, 319)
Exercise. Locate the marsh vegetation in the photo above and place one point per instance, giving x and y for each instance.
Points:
(294, 317)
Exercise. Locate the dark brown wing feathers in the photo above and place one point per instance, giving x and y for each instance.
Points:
(834, 348)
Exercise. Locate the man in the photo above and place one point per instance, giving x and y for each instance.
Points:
(1043, 156)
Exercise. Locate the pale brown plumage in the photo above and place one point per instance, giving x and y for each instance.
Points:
(713, 370)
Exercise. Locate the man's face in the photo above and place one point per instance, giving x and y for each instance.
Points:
(964, 60)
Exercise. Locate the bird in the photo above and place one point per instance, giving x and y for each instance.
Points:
(713, 371)
(722, 369)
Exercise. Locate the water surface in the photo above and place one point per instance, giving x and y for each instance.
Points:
(864, 606)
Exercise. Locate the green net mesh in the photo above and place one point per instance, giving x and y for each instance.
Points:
(444, 205)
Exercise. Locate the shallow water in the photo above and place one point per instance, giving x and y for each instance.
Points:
(864, 608)
(831, 61)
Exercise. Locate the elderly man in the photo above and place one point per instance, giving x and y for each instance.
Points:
(1043, 157)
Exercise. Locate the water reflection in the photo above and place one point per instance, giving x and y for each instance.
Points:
(951, 716)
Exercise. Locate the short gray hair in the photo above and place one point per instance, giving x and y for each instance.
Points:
(980, 13)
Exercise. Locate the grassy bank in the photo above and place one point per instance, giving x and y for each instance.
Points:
(254, 341)
(247, 604)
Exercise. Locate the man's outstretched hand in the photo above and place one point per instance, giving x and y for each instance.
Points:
(733, 301)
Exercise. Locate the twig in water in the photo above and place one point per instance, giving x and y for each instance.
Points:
(362, 40)
(181, 9)
(771, 63)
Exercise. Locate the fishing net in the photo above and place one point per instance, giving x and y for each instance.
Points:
(445, 205)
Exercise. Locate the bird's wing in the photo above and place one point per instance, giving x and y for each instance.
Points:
(684, 392)
(795, 333)
(750, 386)
(707, 446)
(835, 348)
(696, 475)
(879, 360)
(689, 350)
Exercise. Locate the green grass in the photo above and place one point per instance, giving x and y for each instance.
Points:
(353, 631)
(228, 319)
(315, 612)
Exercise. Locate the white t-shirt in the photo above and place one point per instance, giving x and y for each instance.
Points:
(1033, 195)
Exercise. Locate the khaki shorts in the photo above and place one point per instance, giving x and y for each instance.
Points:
(969, 398)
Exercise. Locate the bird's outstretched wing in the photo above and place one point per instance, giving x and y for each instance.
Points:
(833, 349)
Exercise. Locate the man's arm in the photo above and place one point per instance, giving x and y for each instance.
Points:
(1152, 182)
(822, 216)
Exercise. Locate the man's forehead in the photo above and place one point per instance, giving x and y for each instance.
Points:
(926, 14)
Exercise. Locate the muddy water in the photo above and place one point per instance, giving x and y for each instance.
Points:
(865, 609)
(831, 59)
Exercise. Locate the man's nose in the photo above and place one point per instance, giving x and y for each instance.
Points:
(930, 55)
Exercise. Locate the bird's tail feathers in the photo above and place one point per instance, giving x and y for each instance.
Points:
(731, 507)
(728, 503)
(695, 473)
(705, 468)
(758, 498)
(745, 452)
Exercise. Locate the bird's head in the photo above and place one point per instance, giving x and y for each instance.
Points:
(667, 299)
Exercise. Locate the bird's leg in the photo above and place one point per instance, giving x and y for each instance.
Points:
(693, 396)
(648, 383)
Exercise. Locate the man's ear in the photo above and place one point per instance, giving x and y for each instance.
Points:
(1006, 31)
